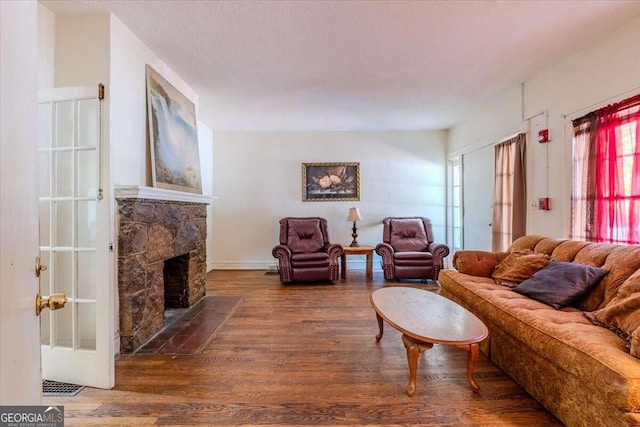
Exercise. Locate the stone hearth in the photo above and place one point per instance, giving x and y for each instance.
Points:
(161, 261)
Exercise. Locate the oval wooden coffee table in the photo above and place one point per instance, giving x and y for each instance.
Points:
(426, 318)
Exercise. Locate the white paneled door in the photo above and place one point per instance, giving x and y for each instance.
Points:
(477, 187)
(77, 346)
(20, 382)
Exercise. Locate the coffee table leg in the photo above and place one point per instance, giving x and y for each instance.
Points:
(380, 327)
(472, 358)
(414, 349)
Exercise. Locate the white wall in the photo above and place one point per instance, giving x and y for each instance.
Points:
(81, 50)
(599, 74)
(46, 47)
(205, 145)
(258, 180)
(130, 154)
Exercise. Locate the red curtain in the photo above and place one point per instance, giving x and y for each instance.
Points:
(618, 172)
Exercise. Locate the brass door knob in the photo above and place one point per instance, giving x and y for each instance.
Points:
(52, 302)
(39, 267)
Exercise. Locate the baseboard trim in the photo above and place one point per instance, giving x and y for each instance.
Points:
(352, 264)
(251, 265)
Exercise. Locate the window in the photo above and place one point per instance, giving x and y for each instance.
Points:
(454, 237)
(606, 174)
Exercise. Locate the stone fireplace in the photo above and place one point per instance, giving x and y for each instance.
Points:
(161, 258)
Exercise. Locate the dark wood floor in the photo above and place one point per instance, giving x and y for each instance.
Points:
(302, 355)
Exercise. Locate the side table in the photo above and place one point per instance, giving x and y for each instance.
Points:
(357, 250)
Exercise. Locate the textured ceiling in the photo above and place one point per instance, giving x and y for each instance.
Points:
(356, 65)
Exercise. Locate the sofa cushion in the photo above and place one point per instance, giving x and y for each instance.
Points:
(524, 243)
(560, 283)
(518, 266)
(622, 314)
(567, 250)
(476, 263)
(622, 262)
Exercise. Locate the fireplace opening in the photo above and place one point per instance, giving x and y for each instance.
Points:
(176, 282)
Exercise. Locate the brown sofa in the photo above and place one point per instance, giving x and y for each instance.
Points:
(584, 374)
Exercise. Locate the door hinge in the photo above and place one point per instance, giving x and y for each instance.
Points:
(100, 91)
(111, 247)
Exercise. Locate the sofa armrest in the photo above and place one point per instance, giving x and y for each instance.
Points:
(476, 263)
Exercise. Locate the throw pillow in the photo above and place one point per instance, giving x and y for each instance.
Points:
(475, 263)
(622, 314)
(560, 283)
(519, 266)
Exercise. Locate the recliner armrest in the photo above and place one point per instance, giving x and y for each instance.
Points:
(283, 254)
(386, 252)
(439, 250)
(383, 249)
(281, 251)
(334, 251)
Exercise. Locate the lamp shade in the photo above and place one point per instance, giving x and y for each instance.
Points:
(354, 215)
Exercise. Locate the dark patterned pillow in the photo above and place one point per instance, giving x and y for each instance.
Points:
(561, 283)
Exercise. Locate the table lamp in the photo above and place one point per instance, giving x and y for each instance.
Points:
(354, 216)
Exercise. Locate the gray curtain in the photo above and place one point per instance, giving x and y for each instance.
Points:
(510, 193)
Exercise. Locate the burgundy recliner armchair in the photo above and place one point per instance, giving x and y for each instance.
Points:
(408, 251)
(304, 253)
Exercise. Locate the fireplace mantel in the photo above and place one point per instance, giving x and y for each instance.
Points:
(153, 193)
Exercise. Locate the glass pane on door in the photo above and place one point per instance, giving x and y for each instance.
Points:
(63, 223)
(86, 224)
(85, 276)
(87, 185)
(87, 123)
(63, 174)
(64, 121)
(63, 276)
(86, 326)
(63, 327)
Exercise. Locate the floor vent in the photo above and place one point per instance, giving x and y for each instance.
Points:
(54, 388)
(272, 270)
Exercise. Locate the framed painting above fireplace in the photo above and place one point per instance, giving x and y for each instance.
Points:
(173, 136)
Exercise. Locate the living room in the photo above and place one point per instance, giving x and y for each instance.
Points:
(254, 174)
(410, 177)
